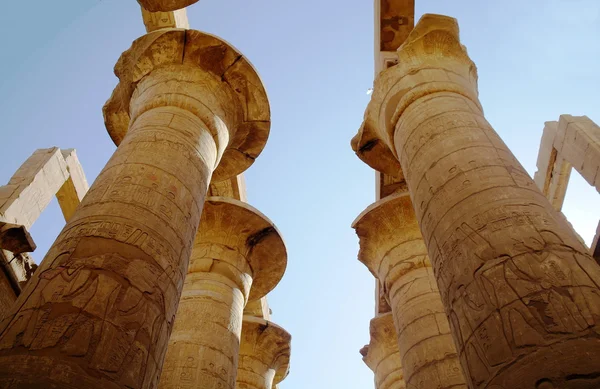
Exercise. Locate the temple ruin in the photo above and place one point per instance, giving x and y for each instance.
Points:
(161, 275)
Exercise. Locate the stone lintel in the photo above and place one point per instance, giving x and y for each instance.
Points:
(248, 122)
(570, 142)
(47, 172)
(75, 187)
(394, 20)
(267, 342)
(229, 224)
(32, 187)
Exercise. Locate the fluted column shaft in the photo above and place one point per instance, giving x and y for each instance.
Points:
(522, 293)
(98, 312)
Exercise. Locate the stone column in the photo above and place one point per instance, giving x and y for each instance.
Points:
(99, 310)
(522, 293)
(238, 254)
(392, 248)
(382, 354)
(264, 354)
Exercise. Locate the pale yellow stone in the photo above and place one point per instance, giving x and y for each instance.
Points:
(382, 354)
(159, 20)
(572, 142)
(48, 172)
(241, 119)
(75, 187)
(238, 254)
(392, 248)
(264, 354)
(394, 20)
(99, 311)
(519, 288)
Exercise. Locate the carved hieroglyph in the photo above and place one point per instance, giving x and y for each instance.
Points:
(165, 5)
(520, 290)
(238, 254)
(264, 354)
(382, 355)
(99, 310)
(392, 248)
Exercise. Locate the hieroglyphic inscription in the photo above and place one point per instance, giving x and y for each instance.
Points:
(104, 298)
(514, 280)
(393, 249)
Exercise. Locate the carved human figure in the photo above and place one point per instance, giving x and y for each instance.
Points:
(99, 310)
(238, 254)
(382, 354)
(392, 248)
(264, 354)
(522, 293)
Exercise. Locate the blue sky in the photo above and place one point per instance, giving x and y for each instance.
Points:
(537, 59)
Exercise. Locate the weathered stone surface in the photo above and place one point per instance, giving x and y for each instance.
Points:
(394, 20)
(75, 187)
(382, 355)
(392, 248)
(99, 310)
(246, 116)
(47, 172)
(264, 354)
(258, 308)
(15, 238)
(521, 291)
(237, 254)
(159, 20)
(572, 142)
(165, 5)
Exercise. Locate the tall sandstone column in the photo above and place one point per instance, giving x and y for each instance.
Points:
(238, 254)
(521, 291)
(382, 355)
(264, 354)
(392, 248)
(99, 310)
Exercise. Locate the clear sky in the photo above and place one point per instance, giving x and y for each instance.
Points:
(537, 59)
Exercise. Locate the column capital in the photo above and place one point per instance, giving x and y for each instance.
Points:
(245, 241)
(382, 355)
(231, 90)
(264, 345)
(431, 60)
(383, 227)
(165, 5)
